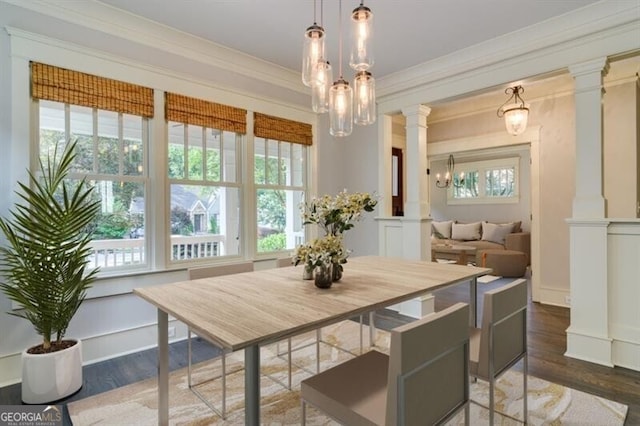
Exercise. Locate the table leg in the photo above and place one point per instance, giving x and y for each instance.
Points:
(252, 385)
(473, 302)
(163, 368)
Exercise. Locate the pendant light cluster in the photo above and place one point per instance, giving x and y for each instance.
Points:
(337, 97)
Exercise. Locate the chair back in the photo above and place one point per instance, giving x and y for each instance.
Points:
(503, 339)
(219, 270)
(428, 377)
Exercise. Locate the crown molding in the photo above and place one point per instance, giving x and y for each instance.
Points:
(109, 20)
(596, 23)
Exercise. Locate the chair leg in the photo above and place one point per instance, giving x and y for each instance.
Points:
(491, 400)
(289, 360)
(318, 337)
(303, 415)
(526, 390)
(361, 337)
(189, 355)
(372, 329)
(224, 385)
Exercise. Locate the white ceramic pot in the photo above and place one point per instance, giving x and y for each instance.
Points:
(53, 376)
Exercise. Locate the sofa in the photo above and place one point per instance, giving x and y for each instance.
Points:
(483, 236)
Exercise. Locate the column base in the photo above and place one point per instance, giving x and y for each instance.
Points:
(418, 307)
(596, 349)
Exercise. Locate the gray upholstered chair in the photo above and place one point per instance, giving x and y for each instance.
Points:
(424, 380)
(502, 340)
(207, 272)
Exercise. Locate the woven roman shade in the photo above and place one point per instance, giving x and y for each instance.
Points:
(77, 88)
(184, 109)
(269, 127)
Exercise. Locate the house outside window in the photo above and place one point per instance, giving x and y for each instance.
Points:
(486, 182)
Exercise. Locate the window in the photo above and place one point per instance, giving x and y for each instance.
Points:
(211, 181)
(205, 192)
(485, 182)
(279, 171)
(112, 139)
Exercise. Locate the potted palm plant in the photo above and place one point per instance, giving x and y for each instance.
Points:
(44, 269)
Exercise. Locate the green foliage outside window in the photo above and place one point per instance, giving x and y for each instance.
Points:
(272, 242)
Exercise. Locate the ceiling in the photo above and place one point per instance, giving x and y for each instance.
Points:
(407, 32)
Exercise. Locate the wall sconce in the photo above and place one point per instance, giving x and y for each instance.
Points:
(448, 177)
(515, 111)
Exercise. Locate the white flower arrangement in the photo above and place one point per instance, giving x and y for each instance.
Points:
(335, 215)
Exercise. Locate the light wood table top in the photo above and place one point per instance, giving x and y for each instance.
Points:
(239, 310)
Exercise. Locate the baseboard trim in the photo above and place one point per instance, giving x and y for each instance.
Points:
(100, 348)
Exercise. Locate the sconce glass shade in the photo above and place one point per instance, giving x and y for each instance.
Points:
(361, 57)
(323, 77)
(515, 118)
(313, 51)
(364, 87)
(340, 109)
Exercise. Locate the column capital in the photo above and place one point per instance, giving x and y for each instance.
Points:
(419, 110)
(598, 65)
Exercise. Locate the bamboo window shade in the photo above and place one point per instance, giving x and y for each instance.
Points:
(185, 109)
(269, 127)
(53, 83)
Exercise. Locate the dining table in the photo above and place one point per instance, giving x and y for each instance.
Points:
(247, 310)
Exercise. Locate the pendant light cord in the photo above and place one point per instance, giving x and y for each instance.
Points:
(314, 13)
(340, 30)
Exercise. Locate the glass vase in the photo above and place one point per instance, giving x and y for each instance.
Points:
(336, 272)
(324, 275)
(307, 272)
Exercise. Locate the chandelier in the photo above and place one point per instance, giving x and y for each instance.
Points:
(448, 177)
(515, 111)
(337, 97)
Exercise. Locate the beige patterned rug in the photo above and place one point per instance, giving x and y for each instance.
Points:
(136, 404)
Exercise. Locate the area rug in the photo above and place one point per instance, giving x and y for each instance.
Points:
(136, 404)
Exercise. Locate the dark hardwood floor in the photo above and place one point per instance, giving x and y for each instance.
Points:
(547, 344)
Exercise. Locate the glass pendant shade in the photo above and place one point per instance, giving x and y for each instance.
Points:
(364, 106)
(361, 57)
(515, 118)
(313, 51)
(323, 77)
(340, 109)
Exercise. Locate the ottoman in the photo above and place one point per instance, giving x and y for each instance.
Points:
(505, 263)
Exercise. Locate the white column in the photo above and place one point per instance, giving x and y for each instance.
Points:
(589, 201)
(416, 232)
(588, 335)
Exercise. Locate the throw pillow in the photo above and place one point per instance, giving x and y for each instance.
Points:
(465, 231)
(496, 233)
(442, 229)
